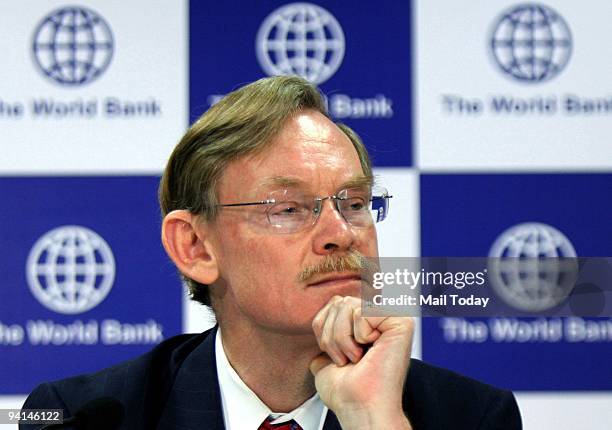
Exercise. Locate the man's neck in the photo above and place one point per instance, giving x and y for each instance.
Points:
(274, 366)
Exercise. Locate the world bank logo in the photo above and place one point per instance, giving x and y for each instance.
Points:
(532, 266)
(531, 42)
(70, 269)
(300, 39)
(73, 45)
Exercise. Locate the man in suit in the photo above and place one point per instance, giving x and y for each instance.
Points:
(267, 215)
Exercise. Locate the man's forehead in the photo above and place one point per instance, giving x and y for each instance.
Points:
(314, 163)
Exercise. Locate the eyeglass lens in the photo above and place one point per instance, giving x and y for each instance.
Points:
(360, 207)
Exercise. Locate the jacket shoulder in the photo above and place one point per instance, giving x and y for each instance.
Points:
(139, 384)
(449, 400)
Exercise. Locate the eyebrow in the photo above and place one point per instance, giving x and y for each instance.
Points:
(358, 181)
(286, 181)
(283, 181)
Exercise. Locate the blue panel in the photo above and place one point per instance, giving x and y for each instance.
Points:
(375, 67)
(462, 215)
(146, 291)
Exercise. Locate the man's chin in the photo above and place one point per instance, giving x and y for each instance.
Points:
(325, 296)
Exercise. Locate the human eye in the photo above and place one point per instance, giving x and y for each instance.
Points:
(354, 204)
(288, 216)
(286, 209)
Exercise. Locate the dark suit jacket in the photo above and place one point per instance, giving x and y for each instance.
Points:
(175, 386)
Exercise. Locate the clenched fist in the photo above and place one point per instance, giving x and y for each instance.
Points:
(361, 373)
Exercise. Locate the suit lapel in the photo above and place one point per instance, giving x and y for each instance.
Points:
(194, 401)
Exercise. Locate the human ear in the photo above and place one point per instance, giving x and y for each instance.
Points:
(187, 242)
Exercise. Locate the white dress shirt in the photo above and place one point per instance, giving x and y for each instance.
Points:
(243, 410)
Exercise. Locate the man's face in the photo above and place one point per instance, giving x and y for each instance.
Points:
(259, 268)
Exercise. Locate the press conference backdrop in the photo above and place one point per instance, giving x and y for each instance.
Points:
(490, 121)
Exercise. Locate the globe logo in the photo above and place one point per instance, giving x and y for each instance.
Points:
(532, 266)
(73, 45)
(531, 43)
(300, 39)
(70, 269)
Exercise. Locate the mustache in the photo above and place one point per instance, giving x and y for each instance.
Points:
(351, 261)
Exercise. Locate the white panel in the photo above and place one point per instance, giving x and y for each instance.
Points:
(399, 234)
(566, 411)
(149, 65)
(454, 59)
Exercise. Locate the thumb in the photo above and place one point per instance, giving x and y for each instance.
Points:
(319, 362)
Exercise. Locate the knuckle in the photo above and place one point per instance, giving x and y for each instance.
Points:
(347, 300)
(336, 299)
(360, 338)
(409, 323)
(323, 344)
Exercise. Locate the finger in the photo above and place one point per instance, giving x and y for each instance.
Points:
(328, 343)
(365, 328)
(319, 362)
(343, 332)
(319, 320)
(399, 325)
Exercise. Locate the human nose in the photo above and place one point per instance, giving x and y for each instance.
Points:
(332, 232)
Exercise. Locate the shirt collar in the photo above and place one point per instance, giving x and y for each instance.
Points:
(242, 409)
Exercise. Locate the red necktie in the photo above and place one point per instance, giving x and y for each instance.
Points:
(289, 425)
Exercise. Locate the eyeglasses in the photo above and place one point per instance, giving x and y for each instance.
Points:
(289, 211)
